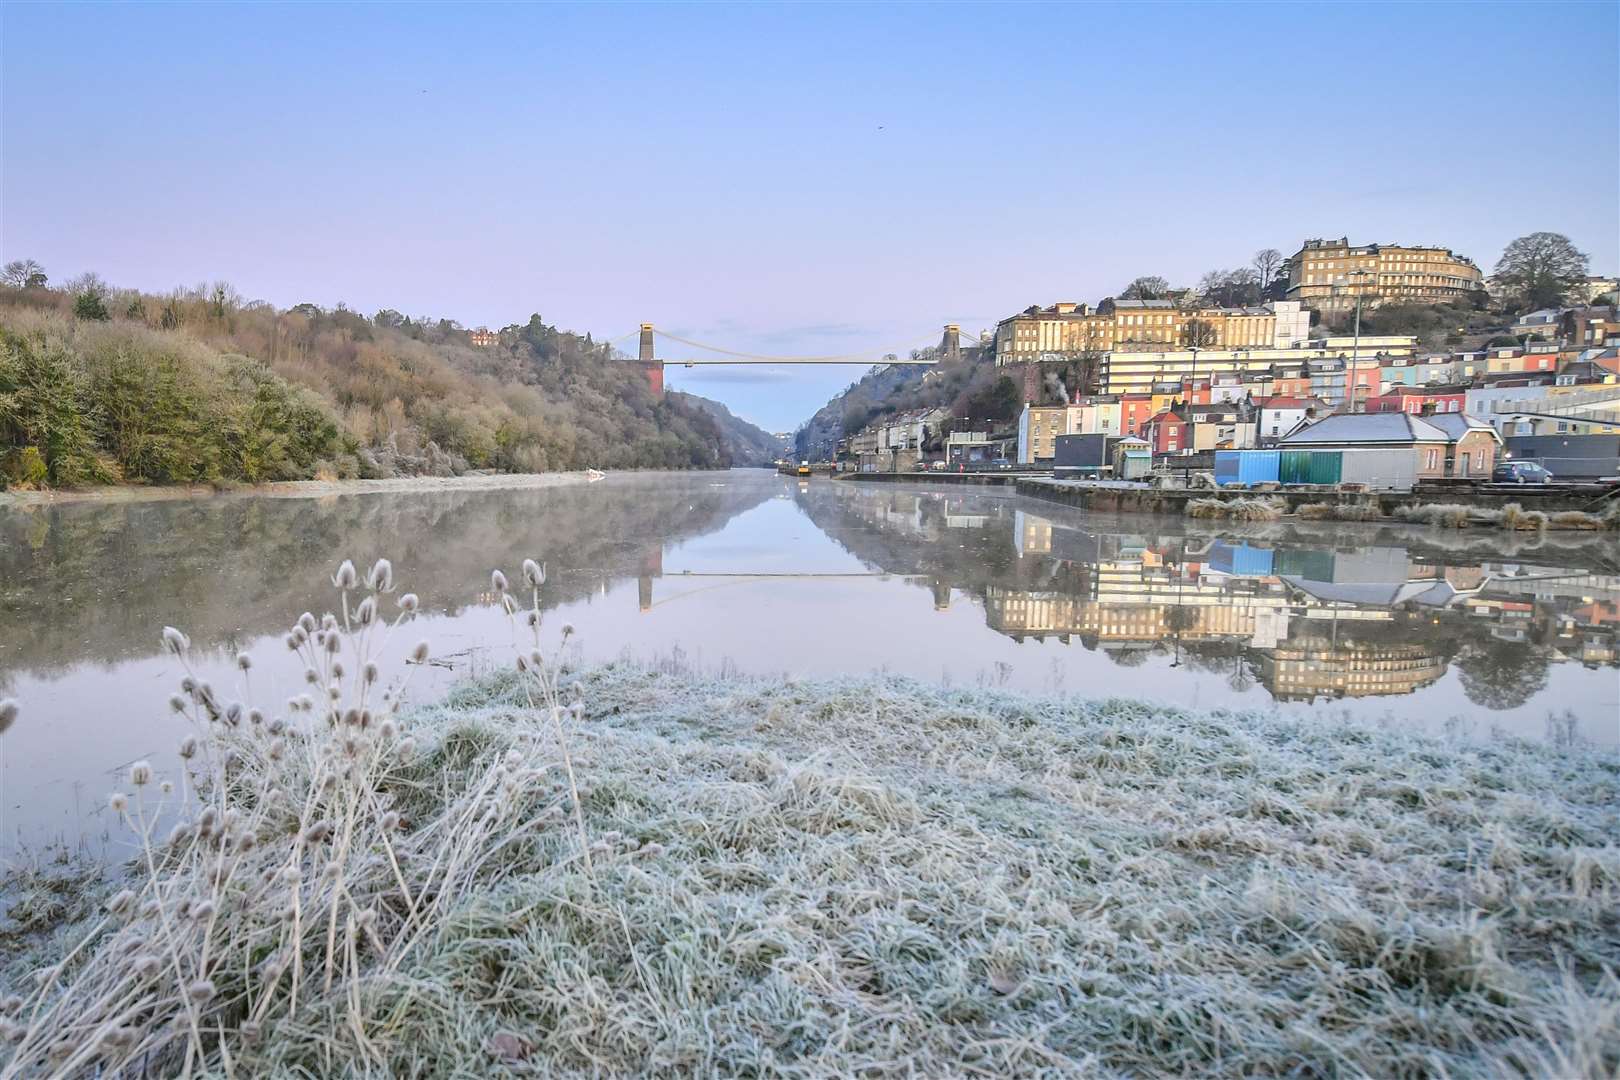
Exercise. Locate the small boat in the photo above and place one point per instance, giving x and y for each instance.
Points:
(593, 475)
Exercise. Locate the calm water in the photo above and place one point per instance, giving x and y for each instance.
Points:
(1465, 634)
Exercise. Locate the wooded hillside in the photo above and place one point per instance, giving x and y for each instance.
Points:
(100, 385)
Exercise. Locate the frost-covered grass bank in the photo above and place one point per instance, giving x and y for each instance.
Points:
(880, 877)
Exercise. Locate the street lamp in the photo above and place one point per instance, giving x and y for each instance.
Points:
(1192, 396)
(1355, 347)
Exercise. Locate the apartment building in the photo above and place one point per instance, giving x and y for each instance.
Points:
(1328, 275)
(1071, 331)
(1130, 372)
(1065, 331)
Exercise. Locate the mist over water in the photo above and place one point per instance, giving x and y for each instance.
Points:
(1464, 636)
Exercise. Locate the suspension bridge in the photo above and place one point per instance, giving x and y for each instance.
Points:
(949, 350)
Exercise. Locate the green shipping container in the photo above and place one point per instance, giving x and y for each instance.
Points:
(1310, 466)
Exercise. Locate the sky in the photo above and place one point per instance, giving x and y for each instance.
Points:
(793, 180)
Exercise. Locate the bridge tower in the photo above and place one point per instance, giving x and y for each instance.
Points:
(654, 369)
(950, 346)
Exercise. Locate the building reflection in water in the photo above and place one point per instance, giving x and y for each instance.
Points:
(1307, 616)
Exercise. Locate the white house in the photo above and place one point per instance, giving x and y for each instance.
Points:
(1281, 415)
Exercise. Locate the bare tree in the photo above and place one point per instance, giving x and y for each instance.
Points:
(23, 274)
(1267, 262)
(1198, 334)
(1146, 288)
(1541, 269)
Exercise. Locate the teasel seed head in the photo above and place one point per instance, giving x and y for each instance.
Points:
(246, 843)
(369, 673)
(118, 801)
(333, 641)
(508, 604)
(290, 875)
(175, 641)
(146, 965)
(250, 1031)
(278, 747)
(337, 669)
(306, 623)
(244, 661)
(233, 713)
(188, 685)
(201, 990)
(149, 909)
(534, 573)
(366, 613)
(166, 787)
(329, 621)
(179, 835)
(204, 910)
(389, 821)
(532, 618)
(381, 578)
(388, 729)
(311, 676)
(177, 703)
(188, 747)
(409, 602)
(407, 748)
(208, 819)
(522, 662)
(568, 630)
(497, 581)
(255, 717)
(11, 1004)
(292, 642)
(122, 902)
(278, 725)
(419, 654)
(318, 832)
(345, 578)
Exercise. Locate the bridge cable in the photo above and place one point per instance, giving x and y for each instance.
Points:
(782, 359)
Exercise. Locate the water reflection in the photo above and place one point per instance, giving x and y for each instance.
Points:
(767, 574)
(1307, 613)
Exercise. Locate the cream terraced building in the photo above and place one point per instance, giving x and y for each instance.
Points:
(1070, 331)
(1328, 275)
(1122, 372)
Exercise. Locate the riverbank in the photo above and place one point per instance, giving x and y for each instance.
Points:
(1537, 509)
(877, 876)
(294, 489)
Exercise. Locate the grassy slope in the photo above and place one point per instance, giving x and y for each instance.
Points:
(877, 877)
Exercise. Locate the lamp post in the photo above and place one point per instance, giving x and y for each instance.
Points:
(1355, 346)
(1192, 402)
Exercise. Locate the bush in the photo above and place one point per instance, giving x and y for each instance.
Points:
(1239, 509)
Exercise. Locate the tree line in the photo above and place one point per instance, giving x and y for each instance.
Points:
(107, 385)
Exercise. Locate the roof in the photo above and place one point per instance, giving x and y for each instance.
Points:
(1157, 304)
(1456, 425)
(1288, 403)
(1389, 427)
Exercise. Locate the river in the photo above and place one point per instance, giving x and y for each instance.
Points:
(1465, 634)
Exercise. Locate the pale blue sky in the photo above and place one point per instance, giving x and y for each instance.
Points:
(816, 179)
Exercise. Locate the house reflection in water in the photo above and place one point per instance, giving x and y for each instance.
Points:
(1308, 616)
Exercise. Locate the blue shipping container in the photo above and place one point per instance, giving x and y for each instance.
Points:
(1247, 467)
(1240, 560)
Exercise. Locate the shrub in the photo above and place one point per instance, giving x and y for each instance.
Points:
(1239, 509)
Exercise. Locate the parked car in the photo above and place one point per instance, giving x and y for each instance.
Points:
(1520, 472)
